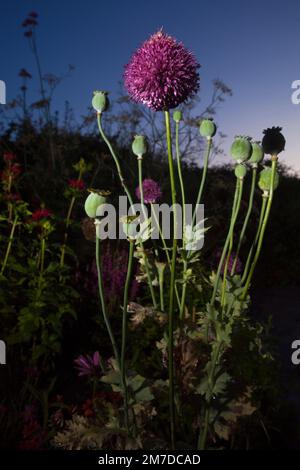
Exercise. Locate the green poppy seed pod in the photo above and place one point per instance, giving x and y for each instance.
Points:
(139, 145)
(129, 225)
(264, 181)
(240, 171)
(207, 128)
(241, 149)
(177, 115)
(92, 202)
(100, 101)
(257, 153)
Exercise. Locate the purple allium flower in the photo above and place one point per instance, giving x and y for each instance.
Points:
(88, 365)
(151, 190)
(162, 73)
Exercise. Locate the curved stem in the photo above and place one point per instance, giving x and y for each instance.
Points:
(9, 245)
(263, 228)
(204, 172)
(231, 232)
(172, 284)
(124, 328)
(246, 221)
(226, 244)
(261, 218)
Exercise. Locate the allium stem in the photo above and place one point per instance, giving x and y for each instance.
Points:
(226, 244)
(261, 218)
(153, 212)
(9, 245)
(185, 264)
(152, 292)
(124, 328)
(172, 284)
(231, 232)
(204, 173)
(246, 221)
(263, 228)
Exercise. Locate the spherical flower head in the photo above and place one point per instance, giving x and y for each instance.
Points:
(162, 73)
(151, 191)
(76, 184)
(265, 179)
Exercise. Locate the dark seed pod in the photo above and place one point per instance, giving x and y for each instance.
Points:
(273, 141)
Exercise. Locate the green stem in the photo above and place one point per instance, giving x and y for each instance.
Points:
(263, 228)
(107, 322)
(236, 212)
(152, 292)
(246, 221)
(204, 172)
(226, 244)
(185, 264)
(68, 221)
(261, 218)
(172, 284)
(165, 248)
(124, 328)
(9, 245)
(124, 185)
(211, 379)
(116, 160)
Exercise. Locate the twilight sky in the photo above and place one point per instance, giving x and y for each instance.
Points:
(251, 46)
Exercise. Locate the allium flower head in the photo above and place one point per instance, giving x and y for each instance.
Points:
(162, 73)
(151, 191)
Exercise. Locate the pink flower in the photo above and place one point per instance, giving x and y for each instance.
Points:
(88, 365)
(162, 73)
(151, 191)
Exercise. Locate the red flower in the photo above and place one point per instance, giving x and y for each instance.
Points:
(8, 157)
(39, 214)
(76, 184)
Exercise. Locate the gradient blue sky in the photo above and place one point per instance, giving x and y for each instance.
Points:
(252, 46)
